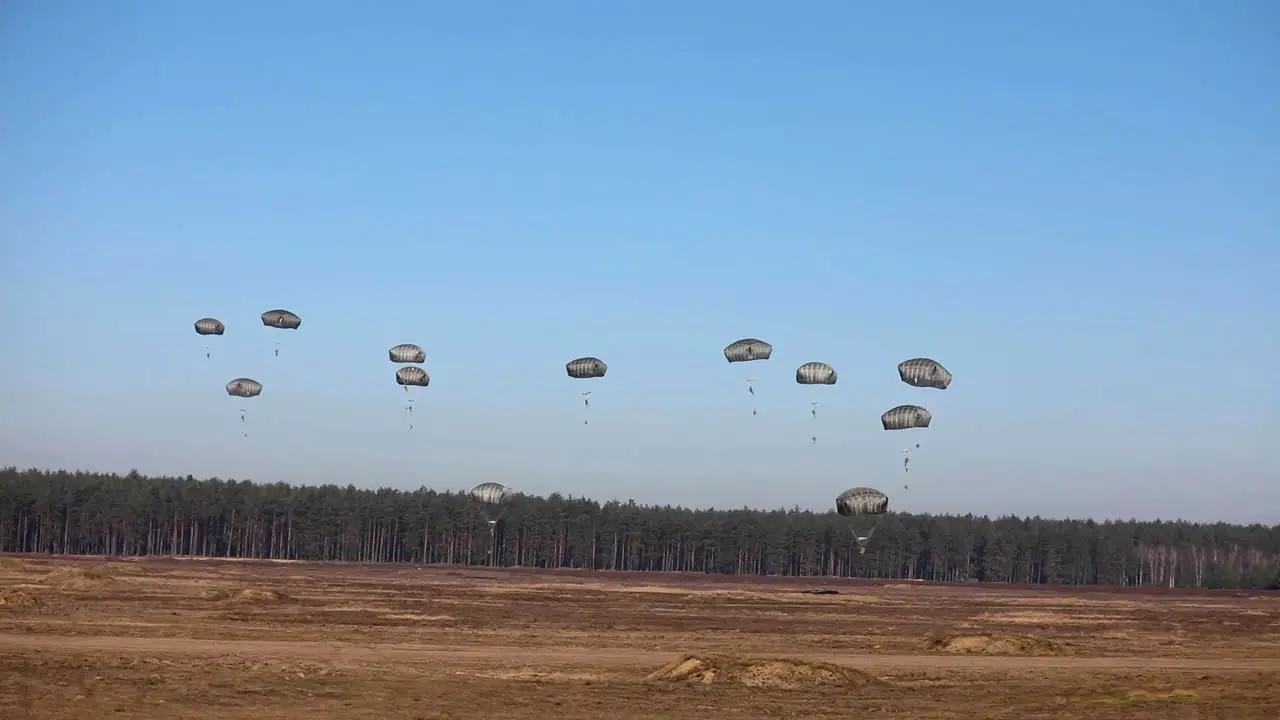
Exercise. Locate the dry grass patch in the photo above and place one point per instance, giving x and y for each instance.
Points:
(768, 673)
(1033, 617)
(988, 644)
(1134, 697)
(249, 596)
(18, 599)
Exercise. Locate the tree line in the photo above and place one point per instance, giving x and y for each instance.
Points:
(87, 513)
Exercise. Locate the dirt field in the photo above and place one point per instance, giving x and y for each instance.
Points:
(173, 638)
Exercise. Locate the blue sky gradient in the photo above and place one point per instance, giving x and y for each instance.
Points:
(1072, 206)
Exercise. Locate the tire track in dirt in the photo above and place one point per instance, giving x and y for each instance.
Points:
(599, 656)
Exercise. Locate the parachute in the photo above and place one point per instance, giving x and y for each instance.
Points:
(408, 377)
(860, 504)
(412, 376)
(585, 368)
(281, 319)
(815, 373)
(924, 373)
(748, 350)
(491, 493)
(244, 388)
(407, 353)
(493, 498)
(209, 326)
(906, 417)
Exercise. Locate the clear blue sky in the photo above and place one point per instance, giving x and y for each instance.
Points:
(1075, 207)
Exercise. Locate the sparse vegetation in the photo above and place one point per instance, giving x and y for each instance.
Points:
(239, 639)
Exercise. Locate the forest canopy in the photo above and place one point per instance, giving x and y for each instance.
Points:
(93, 513)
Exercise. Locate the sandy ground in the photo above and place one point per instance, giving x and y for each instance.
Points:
(189, 638)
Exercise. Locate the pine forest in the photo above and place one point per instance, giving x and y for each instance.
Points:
(133, 515)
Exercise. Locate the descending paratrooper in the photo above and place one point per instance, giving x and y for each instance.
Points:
(209, 326)
(281, 320)
(586, 368)
(244, 388)
(859, 504)
(815, 373)
(748, 350)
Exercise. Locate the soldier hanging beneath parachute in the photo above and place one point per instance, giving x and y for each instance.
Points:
(586, 368)
(209, 326)
(408, 377)
(244, 388)
(281, 320)
(815, 373)
(859, 504)
(493, 499)
(748, 350)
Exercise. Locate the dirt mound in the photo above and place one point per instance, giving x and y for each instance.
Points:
(16, 599)
(78, 578)
(986, 644)
(772, 673)
(249, 596)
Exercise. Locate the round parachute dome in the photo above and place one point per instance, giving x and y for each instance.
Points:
(586, 367)
(748, 349)
(491, 492)
(924, 373)
(210, 326)
(905, 417)
(244, 387)
(282, 319)
(415, 376)
(861, 501)
(816, 373)
(407, 353)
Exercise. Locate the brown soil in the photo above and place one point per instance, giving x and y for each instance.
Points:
(994, 645)
(775, 673)
(79, 579)
(248, 596)
(18, 599)
(232, 640)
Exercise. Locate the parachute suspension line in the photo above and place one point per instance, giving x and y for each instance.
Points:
(906, 462)
(813, 412)
(493, 525)
(864, 539)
